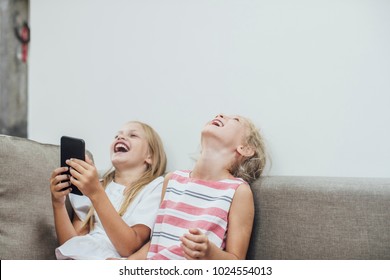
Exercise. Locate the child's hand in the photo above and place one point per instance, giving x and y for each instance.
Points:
(195, 245)
(58, 194)
(84, 176)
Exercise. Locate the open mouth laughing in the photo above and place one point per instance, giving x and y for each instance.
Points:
(217, 122)
(121, 147)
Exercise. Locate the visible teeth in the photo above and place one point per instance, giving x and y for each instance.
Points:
(121, 148)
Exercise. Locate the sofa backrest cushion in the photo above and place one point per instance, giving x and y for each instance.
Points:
(26, 217)
(321, 218)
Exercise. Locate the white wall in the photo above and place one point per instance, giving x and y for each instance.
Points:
(314, 75)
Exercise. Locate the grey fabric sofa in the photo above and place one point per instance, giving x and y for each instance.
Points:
(316, 218)
(296, 217)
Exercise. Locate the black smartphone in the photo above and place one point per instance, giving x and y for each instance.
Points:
(72, 148)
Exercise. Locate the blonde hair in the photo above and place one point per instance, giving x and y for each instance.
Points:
(250, 168)
(153, 170)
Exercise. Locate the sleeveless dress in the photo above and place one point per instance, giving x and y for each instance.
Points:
(96, 245)
(191, 203)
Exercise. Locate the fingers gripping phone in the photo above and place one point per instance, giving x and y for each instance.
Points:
(72, 148)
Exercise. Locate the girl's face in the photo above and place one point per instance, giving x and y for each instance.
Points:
(230, 130)
(130, 147)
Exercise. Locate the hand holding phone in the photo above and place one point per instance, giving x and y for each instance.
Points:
(72, 148)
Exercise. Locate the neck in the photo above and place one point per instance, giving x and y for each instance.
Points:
(213, 165)
(128, 176)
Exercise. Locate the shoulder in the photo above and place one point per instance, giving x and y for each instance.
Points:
(180, 173)
(158, 181)
(243, 206)
(165, 184)
(154, 185)
(166, 180)
(168, 175)
(175, 175)
(243, 193)
(150, 192)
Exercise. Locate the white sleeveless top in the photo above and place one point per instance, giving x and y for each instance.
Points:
(96, 245)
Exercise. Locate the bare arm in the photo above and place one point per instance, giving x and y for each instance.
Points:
(141, 254)
(65, 228)
(197, 246)
(125, 239)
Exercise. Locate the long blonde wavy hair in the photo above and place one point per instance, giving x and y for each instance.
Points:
(153, 170)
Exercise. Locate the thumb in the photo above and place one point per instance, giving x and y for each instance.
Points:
(195, 231)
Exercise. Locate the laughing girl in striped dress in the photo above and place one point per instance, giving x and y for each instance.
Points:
(207, 213)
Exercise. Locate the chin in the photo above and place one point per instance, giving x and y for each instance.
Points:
(117, 158)
(211, 134)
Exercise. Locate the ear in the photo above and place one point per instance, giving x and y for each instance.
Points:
(245, 151)
(148, 159)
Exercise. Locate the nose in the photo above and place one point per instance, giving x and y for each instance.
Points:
(226, 117)
(120, 137)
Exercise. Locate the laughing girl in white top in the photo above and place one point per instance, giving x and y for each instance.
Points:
(115, 217)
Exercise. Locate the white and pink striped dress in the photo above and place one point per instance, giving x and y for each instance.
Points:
(191, 203)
